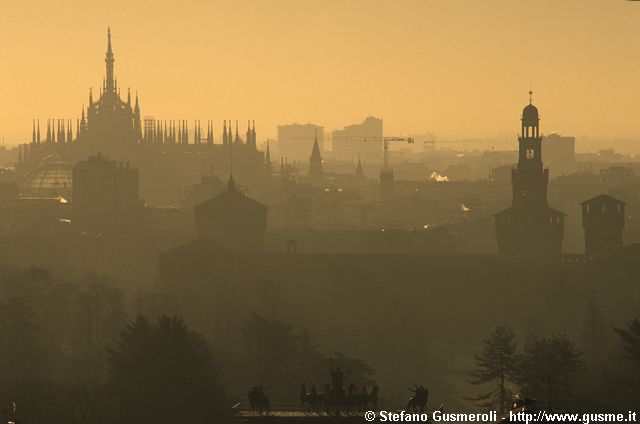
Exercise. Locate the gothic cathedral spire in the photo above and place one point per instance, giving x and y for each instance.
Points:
(109, 60)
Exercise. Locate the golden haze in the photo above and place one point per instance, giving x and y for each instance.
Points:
(457, 68)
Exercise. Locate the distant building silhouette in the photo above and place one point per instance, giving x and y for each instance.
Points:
(359, 140)
(233, 220)
(617, 175)
(105, 194)
(295, 140)
(359, 174)
(530, 230)
(603, 222)
(316, 171)
(386, 184)
(559, 153)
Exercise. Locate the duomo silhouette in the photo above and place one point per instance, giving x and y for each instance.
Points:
(169, 153)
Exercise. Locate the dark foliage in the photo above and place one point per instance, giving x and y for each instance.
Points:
(165, 373)
(495, 366)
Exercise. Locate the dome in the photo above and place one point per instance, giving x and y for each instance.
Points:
(530, 114)
(51, 176)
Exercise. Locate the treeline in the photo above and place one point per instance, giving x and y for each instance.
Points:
(558, 373)
(80, 352)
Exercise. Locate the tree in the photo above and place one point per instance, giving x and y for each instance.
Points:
(631, 342)
(547, 369)
(311, 364)
(165, 373)
(272, 349)
(21, 356)
(495, 365)
(359, 372)
(595, 332)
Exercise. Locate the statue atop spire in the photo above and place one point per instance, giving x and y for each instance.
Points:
(109, 60)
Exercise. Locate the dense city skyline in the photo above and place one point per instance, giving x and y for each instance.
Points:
(455, 69)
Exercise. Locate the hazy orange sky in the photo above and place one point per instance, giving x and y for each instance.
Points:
(459, 68)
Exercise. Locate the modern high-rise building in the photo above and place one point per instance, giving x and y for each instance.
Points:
(359, 141)
(295, 141)
(530, 230)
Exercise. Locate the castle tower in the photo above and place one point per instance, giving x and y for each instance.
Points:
(603, 222)
(530, 230)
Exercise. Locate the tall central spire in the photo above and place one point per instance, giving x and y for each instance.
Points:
(109, 60)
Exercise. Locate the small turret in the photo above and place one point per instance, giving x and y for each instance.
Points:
(254, 143)
(224, 132)
(209, 132)
(248, 132)
(267, 160)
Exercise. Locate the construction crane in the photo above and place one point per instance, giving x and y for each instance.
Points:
(387, 140)
(434, 141)
(385, 143)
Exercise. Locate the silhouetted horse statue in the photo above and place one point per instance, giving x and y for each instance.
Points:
(371, 398)
(313, 399)
(418, 402)
(9, 414)
(259, 401)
